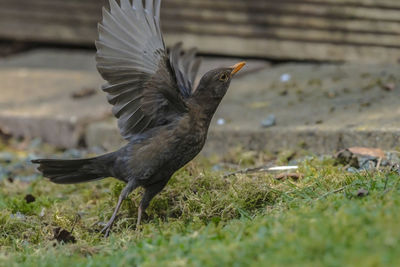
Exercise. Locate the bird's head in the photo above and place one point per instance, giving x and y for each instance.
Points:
(215, 83)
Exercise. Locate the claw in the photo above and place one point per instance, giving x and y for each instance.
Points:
(107, 228)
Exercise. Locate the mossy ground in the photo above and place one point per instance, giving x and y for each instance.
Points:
(204, 219)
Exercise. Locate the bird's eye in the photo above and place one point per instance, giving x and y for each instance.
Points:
(223, 77)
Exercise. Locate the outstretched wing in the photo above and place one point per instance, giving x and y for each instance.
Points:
(185, 67)
(145, 86)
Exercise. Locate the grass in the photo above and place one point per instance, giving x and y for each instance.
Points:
(203, 219)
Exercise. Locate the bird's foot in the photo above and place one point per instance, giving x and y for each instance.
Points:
(107, 228)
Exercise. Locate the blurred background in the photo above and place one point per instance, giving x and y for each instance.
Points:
(318, 97)
(331, 30)
(321, 74)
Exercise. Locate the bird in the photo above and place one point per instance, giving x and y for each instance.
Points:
(162, 115)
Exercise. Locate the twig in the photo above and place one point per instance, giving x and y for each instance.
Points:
(261, 169)
(333, 192)
(247, 170)
(378, 164)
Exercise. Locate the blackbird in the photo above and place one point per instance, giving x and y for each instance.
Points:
(162, 116)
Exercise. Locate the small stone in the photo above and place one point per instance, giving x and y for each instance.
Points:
(285, 77)
(221, 121)
(362, 192)
(42, 212)
(29, 198)
(389, 86)
(367, 163)
(269, 121)
(293, 175)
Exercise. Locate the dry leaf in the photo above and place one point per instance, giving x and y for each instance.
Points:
(62, 235)
(29, 198)
(365, 151)
(293, 175)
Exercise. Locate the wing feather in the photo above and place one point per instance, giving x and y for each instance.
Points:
(146, 87)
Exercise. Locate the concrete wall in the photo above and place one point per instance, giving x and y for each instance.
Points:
(339, 30)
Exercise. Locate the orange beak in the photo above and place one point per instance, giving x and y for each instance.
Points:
(237, 67)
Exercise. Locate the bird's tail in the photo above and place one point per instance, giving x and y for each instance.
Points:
(76, 170)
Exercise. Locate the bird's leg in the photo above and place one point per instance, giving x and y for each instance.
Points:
(139, 217)
(109, 224)
(125, 192)
(148, 195)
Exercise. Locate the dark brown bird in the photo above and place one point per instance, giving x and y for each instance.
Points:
(160, 114)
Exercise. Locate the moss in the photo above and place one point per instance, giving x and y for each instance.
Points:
(202, 218)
